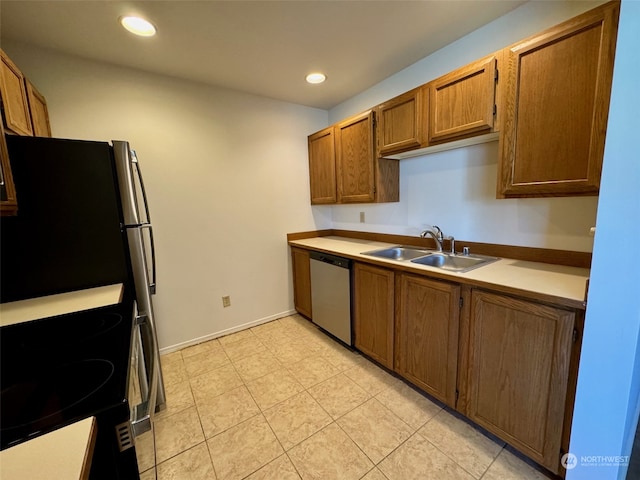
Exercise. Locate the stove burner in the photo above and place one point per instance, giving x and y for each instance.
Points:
(41, 401)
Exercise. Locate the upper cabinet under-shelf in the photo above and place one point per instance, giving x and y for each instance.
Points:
(546, 99)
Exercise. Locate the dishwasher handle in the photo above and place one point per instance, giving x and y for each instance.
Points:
(330, 259)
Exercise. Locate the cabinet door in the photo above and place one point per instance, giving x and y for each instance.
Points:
(355, 159)
(322, 166)
(374, 312)
(519, 365)
(400, 123)
(14, 98)
(39, 111)
(427, 336)
(557, 104)
(462, 102)
(301, 281)
(8, 202)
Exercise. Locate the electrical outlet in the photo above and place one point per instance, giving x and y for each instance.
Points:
(361, 217)
(226, 301)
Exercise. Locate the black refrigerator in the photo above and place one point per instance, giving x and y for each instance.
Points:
(83, 222)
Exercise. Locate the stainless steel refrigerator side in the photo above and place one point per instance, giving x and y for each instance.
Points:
(142, 285)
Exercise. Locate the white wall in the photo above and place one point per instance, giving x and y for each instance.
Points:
(608, 394)
(227, 179)
(456, 189)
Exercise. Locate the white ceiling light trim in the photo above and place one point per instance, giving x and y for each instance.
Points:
(316, 77)
(138, 26)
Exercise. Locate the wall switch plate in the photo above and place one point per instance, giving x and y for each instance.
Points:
(226, 301)
(361, 217)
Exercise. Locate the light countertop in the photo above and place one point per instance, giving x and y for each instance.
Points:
(554, 283)
(61, 304)
(64, 454)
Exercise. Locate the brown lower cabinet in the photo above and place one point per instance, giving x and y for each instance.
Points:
(508, 364)
(301, 265)
(427, 335)
(519, 359)
(373, 312)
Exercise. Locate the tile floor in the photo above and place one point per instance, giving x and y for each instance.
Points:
(284, 401)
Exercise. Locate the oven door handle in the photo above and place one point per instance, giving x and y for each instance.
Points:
(143, 412)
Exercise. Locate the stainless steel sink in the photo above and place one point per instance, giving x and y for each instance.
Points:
(399, 253)
(454, 263)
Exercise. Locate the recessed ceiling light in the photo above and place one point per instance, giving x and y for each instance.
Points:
(138, 25)
(316, 77)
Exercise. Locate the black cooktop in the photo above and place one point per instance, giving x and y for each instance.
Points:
(58, 370)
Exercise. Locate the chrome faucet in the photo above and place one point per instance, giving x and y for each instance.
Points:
(435, 233)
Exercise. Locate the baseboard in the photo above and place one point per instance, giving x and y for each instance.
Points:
(228, 331)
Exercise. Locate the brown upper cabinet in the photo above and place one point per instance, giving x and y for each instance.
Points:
(557, 105)
(343, 167)
(13, 90)
(39, 111)
(463, 102)
(354, 159)
(24, 109)
(8, 202)
(322, 166)
(401, 123)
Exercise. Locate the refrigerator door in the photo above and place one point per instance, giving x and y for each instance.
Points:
(142, 250)
(141, 391)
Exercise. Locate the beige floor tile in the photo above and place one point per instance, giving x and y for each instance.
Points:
(168, 358)
(274, 388)
(145, 451)
(208, 346)
(341, 357)
(279, 469)
(374, 474)
(215, 382)
(148, 475)
(257, 365)
(193, 464)
(338, 395)
(295, 321)
(412, 407)
(236, 337)
(243, 449)
(178, 396)
(244, 348)
(417, 459)
(313, 370)
(464, 444)
(375, 429)
(371, 378)
(220, 412)
(293, 351)
(509, 467)
(177, 433)
(173, 369)
(329, 454)
(203, 362)
(296, 419)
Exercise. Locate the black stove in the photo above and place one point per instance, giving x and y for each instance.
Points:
(59, 370)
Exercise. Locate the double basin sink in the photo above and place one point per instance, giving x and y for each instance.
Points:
(446, 261)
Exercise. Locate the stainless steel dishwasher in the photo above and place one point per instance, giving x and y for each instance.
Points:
(331, 294)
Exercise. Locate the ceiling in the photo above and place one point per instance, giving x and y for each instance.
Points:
(261, 47)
